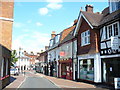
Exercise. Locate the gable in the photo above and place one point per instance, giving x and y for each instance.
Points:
(80, 19)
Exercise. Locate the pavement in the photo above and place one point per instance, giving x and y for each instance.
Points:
(48, 82)
(15, 81)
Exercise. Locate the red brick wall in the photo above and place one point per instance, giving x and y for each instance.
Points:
(6, 11)
(93, 46)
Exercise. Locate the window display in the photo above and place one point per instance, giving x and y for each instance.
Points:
(87, 69)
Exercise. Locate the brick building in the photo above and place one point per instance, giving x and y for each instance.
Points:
(6, 22)
(89, 62)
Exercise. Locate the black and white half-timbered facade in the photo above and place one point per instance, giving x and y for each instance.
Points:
(110, 42)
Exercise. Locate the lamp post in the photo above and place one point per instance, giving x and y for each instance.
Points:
(19, 57)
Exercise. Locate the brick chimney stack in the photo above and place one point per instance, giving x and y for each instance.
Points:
(89, 8)
(75, 21)
(53, 34)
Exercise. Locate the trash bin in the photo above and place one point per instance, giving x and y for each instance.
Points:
(117, 83)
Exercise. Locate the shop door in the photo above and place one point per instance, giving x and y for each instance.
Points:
(111, 69)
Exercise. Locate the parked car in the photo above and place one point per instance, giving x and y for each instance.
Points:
(14, 71)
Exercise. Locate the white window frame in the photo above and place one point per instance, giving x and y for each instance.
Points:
(113, 31)
(83, 37)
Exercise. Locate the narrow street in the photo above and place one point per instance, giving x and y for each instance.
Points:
(34, 81)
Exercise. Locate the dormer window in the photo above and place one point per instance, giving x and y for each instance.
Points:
(85, 38)
(114, 5)
(51, 42)
(57, 38)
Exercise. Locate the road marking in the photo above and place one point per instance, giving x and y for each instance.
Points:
(22, 82)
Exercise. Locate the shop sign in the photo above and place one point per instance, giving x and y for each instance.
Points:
(117, 83)
(62, 53)
(114, 43)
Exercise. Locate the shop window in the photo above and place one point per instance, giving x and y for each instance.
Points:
(6, 66)
(86, 69)
(2, 67)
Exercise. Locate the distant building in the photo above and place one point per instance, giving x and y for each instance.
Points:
(41, 64)
(23, 62)
(6, 22)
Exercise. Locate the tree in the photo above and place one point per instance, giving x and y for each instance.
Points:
(14, 57)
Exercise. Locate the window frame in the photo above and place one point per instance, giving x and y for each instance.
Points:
(85, 38)
(107, 37)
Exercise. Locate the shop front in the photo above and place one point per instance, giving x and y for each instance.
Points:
(110, 70)
(89, 68)
(55, 69)
(86, 69)
(66, 69)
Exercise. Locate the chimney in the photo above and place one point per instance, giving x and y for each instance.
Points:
(46, 48)
(53, 34)
(89, 8)
(97, 12)
(75, 22)
(41, 51)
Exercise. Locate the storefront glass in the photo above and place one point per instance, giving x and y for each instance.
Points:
(87, 69)
(111, 69)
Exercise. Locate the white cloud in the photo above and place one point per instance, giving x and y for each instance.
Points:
(54, 1)
(54, 5)
(39, 24)
(31, 42)
(43, 11)
(18, 24)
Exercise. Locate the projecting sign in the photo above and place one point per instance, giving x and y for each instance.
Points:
(114, 43)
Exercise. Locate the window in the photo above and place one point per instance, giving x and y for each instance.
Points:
(85, 38)
(110, 30)
(57, 38)
(2, 68)
(87, 69)
(7, 67)
(114, 5)
(115, 26)
(106, 32)
(51, 43)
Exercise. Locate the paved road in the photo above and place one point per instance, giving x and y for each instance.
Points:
(34, 81)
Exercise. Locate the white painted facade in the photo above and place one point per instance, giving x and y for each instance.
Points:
(74, 52)
(67, 49)
(23, 63)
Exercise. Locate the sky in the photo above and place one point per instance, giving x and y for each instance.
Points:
(34, 21)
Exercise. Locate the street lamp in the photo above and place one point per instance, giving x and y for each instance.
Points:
(19, 57)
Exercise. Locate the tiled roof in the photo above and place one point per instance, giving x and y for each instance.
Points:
(93, 18)
(66, 32)
(110, 17)
(69, 36)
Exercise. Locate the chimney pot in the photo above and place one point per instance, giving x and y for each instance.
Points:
(75, 21)
(53, 34)
(89, 8)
